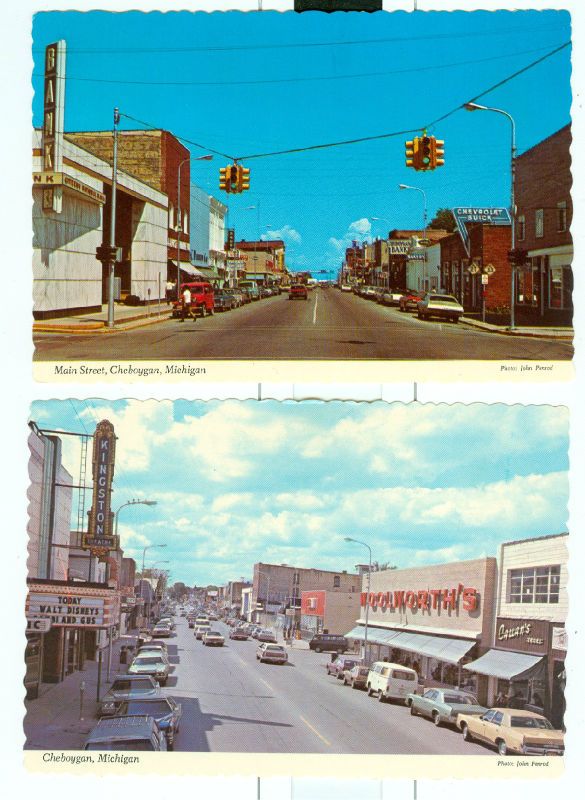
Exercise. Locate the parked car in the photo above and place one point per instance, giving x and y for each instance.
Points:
(255, 630)
(201, 299)
(513, 731)
(212, 639)
(340, 664)
(379, 293)
(201, 630)
(238, 633)
(155, 664)
(164, 710)
(223, 301)
(391, 297)
(126, 733)
(345, 287)
(265, 635)
(410, 300)
(237, 295)
(444, 705)
(298, 291)
(444, 306)
(162, 631)
(275, 653)
(151, 649)
(128, 687)
(356, 677)
(251, 288)
(369, 292)
(328, 642)
(390, 681)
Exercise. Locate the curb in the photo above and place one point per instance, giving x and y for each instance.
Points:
(532, 333)
(100, 327)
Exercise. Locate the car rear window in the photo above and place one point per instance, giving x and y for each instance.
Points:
(531, 722)
(444, 298)
(402, 675)
(460, 698)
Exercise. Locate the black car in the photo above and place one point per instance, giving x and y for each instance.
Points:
(223, 301)
(328, 642)
(164, 710)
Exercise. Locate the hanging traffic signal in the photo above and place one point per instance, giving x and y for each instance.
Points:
(411, 153)
(426, 152)
(243, 179)
(233, 182)
(437, 152)
(223, 179)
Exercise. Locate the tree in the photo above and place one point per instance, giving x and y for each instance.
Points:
(443, 220)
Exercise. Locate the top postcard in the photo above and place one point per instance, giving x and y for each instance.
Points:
(256, 196)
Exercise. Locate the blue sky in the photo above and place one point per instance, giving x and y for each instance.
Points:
(238, 482)
(253, 89)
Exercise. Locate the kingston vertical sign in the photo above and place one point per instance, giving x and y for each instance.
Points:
(100, 536)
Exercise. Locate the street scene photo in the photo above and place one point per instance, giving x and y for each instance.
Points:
(289, 578)
(281, 186)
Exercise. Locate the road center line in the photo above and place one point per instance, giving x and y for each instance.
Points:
(315, 309)
(316, 732)
(267, 685)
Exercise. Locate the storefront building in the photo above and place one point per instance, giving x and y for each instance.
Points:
(328, 612)
(434, 619)
(525, 666)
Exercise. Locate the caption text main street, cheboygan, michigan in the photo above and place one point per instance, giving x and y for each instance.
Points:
(130, 370)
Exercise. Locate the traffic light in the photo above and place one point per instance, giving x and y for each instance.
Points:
(411, 153)
(425, 153)
(437, 153)
(243, 179)
(223, 179)
(233, 182)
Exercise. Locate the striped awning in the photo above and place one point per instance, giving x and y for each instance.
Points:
(443, 648)
(504, 664)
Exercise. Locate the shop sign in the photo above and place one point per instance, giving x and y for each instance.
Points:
(399, 247)
(100, 536)
(559, 639)
(427, 599)
(530, 635)
(486, 216)
(51, 179)
(63, 610)
(38, 625)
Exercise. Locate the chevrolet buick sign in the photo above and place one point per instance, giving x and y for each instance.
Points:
(486, 216)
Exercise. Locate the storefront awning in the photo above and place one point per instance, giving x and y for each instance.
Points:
(443, 648)
(503, 664)
(188, 268)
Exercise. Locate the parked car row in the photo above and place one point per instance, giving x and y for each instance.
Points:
(508, 730)
(207, 299)
(425, 304)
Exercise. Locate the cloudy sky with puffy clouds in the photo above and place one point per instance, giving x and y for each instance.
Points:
(242, 481)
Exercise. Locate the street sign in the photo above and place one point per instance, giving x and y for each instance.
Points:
(473, 269)
(489, 269)
(485, 279)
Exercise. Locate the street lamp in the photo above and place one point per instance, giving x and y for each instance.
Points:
(131, 503)
(357, 541)
(179, 221)
(477, 107)
(148, 547)
(422, 191)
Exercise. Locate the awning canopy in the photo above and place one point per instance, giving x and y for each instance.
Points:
(442, 648)
(188, 268)
(503, 664)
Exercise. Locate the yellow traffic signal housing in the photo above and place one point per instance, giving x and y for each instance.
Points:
(411, 153)
(223, 179)
(243, 179)
(438, 152)
(233, 178)
(425, 153)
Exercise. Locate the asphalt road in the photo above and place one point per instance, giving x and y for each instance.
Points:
(330, 325)
(232, 703)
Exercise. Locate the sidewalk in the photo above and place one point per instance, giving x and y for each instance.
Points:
(125, 318)
(543, 333)
(52, 720)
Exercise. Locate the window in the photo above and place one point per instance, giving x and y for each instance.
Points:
(521, 228)
(336, 581)
(539, 223)
(171, 215)
(562, 216)
(560, 287)
(535, 584)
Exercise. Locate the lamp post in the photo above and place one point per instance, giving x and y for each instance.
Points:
(257, 209)
(477, 107)
(148, 547)
(357, 541)
(131, 503)
(179, 221)
(422, 191)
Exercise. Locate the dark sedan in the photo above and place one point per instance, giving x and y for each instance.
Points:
(164, 710)
(223, 301)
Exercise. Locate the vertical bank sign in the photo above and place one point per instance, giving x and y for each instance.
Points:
(53, 121)
(100, 538)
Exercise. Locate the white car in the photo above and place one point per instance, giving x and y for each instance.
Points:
(346, 287)
(274, 653)
(439, 305)
(213, 639)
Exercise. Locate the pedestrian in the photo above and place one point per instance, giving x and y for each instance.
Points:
(170, 290)
(517, 700)
(501, 700)
(186, 304)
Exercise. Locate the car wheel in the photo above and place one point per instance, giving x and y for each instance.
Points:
(345, 682)
(502, 748)
(467, 737)
(436, 720)
(211, 311)
(455, 320)
(412, 709)
(317, 649)
(419, 314)
(381, 697)
(369, 691)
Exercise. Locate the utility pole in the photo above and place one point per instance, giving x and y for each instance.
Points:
(112, 260)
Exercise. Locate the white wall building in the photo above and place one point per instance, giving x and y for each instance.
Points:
(423, 268)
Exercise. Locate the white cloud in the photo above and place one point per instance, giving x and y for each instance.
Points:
(286, 233)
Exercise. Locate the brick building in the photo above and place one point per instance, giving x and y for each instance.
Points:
(264, 261)
(544, 214)
(154, 158)
(328, 611)
(488, 244)
(281, 585)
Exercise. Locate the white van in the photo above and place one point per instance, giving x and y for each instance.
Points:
(391, 681)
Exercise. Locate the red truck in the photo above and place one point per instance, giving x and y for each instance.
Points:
(201, 299)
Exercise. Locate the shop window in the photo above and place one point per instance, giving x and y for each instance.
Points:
(562, 216)
(521, 228)
(560, 287)
(534, 585)
(171, 215)
(336, 582)
(539, 223)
